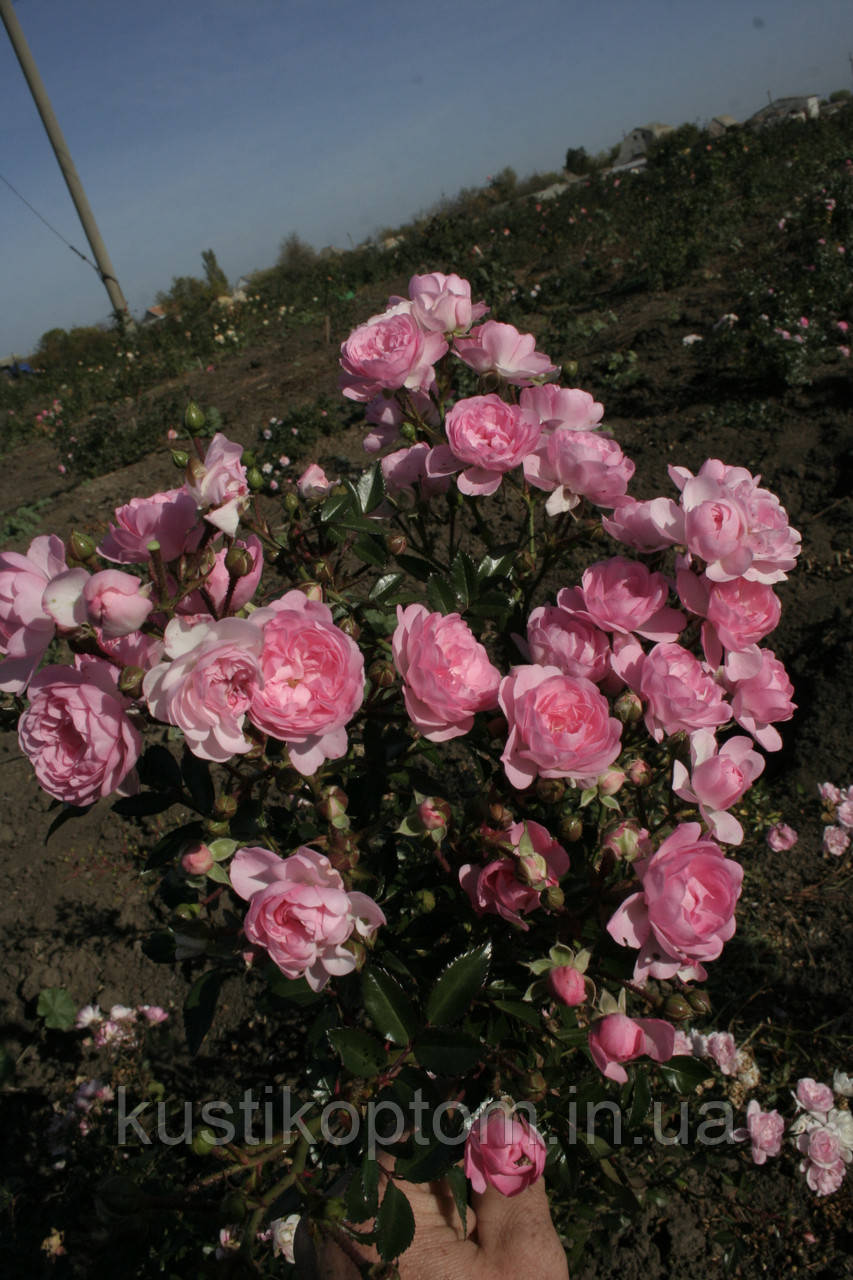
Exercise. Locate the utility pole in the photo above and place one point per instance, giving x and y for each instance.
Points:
(66, 164)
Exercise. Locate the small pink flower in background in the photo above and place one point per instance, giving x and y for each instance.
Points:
(829, 793)
(842, 325)
(781, 837)
(814, 1097)
(616, 1039)
(446, 672)
(153, 1014)
(764, 1129)
(314, 485)
(720, 1046)
(844, 813)
(835, 841)
(503, 1151)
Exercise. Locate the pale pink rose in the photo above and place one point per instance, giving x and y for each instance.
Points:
(218, 579)
(558, 638)
(781, 837)
(500, 348)
(616, 1038)
(510, 886)
(167, 518)
(684, 912)
(503, 1151)
(835, 841)
(559, 726)
(153, 1014)
(442, 304)
(314, 485)
(844, 814)
(824, 1179)
(301, 913)
(219, 484)
(63, 599)
(679, 693)
(405, 472)
(388, 352)
(742, 612)
(207, 686)
(721, 1048)
(76, 732)
(571, 465)
(815, 1097)
(116, 602)
(645, 526)
(562, 407)
(764, 1129)
(447, 675)
(829, 793)
(739, 529)
(623, 595)
(133, 650)
(568, 985)
(718, 779)
(26, 629)
(826, 1157)
(488, 437)
(763, 699)
(313, 680)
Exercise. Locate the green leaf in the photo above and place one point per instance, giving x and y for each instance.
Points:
(395, 1224)
(361, 1053)
(447, 1051)
(57, 1008)
(440, 595)
(159, 770)
(200, 1007)
(390, 1009)
(143, 805)
(196, 774)
(463, 579)
(459, 1187)
(334, 505)
(458, 985)
(371, 550)
(386, 586)
(219, 874)
(362, 1198)
(684, 1073)
(496, 566)
(413, 565)
(427, 1163)
(370, 488)
(524, 1012)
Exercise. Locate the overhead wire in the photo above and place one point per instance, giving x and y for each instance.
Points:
(58, 234)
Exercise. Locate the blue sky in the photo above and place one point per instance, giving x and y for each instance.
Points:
(228, 124)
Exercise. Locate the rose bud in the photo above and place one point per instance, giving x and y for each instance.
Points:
(193, 416)
(610, 782)
(567, 984)
(197, 860)
(312, 590)
(677, 1008)
(627, 840)
(550, 790)
(553, 898)
(130, 681)
(397, 544)
(382, 674)
(628, 708)
(82, 547)
(333, 804)
(239, 562)
(434, 813)
(639, 773)
(180, 457)
(699, 1001)
(571, 828)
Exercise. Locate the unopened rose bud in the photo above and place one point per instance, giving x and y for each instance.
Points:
(532, 869)
(204, 1141)
(409, 431)
(571, 828)
(570, 369)
(291, 502)
(677, 1008)
(193, 416)
(180, 457)
(425, 899)
(224, 807)
(382, 674)
(238, 561)
(207, 561)
(248, 458)
(335, 1209)
(350, 627)
(130, 682)
(342, 850)
(255, 479)
(553, 897)
(699, 1001)
(500, 815)
(434, 813)
(397, 544)
(333, 804)
(312, 590)
(639, 773)
(627, 840)
(81, 546)
(567, 985)
(534, 1086)
(197, 860)
(550, 790)
(610, 782)
(215, 828)
(628, 708)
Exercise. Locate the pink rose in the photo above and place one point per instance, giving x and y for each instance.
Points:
(844, 813)
(762, 699)
(501, 349)
(116, 602)
(826, 1155)
(26, 628)
(197, 860)
(314, 485)
(218, 580)
(720, 1046)
(645, 526)
(684, 912)
(447, 675)
(206, 688)
(623, 595)
(219, 484)
(313, 680)
(742, 612)
(571, 465)
(556, 637)
(76, 732)
(167, 518)
(815, 1097)
(679, 693)
(781, 837)
(442, 304)
(559, 726)
(488, 437)
(617, 1038)
(564, 407)
(301, 913)
(503, 1151)
(388, 352)
(718, 779)
(567, 984)
(764, 1130)
(835, 841)
(405, 472)
(510, 887)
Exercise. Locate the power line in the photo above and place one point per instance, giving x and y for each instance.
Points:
(58, 234)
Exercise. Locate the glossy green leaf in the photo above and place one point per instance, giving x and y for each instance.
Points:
(395, 1224)
(458, 985)
(447, 1051)
(390, 1009)
(684, 1073)
(360, 1052)
(440, 595)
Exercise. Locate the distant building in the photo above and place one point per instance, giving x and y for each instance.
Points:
(804, 108)
(153, 314)
(635, 145)
(721, 124)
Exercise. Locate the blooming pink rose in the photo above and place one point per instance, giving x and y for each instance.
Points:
(718, 779)
(781, 837)
(565, 407)
(116, 602)
(313, 680)
(721, 1047)
(206, 688)
(559, 726)
(558, 638)
(301, 913)
(167, 518)
(447, 675)
(645, 526)
(567, 985)
(844, 812)
(763, 699)
(489, 437)
(405, 472)
(829, 793)
(835, 841)
(679, 693)
(442, 304)
(571, 465)
(684, 912)
(389, 351)
(510, 887)
(617, 1038)
(500, 348)
(314, 485)
(742, 612)
(826, 1157)
(623, 595)
(764, 1130)
(815, 1097)
(219, 484)
(503, 1151)
(26, 628)
(76, 732)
